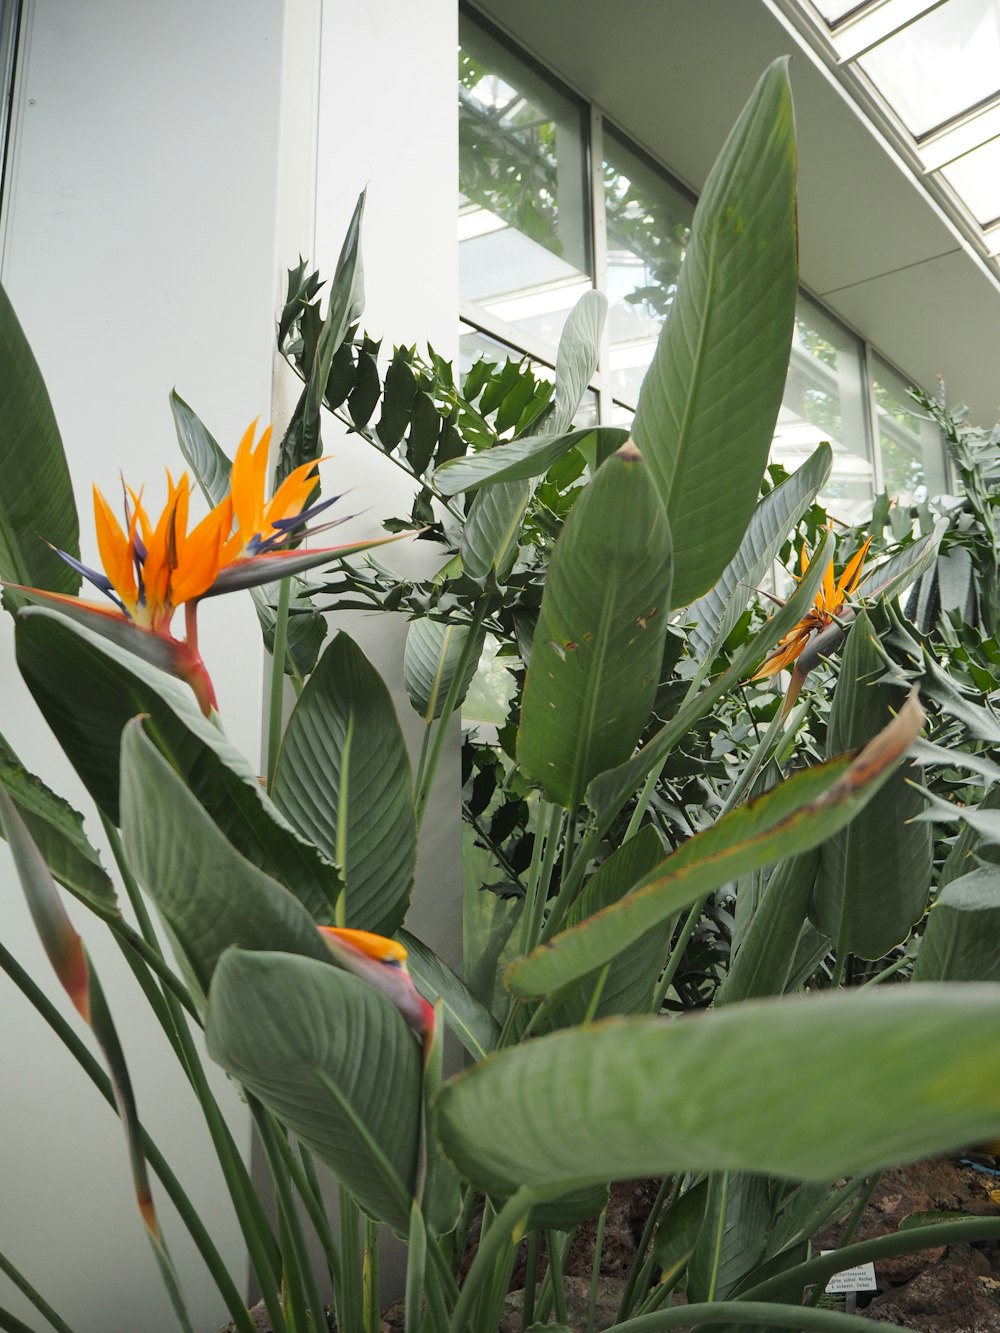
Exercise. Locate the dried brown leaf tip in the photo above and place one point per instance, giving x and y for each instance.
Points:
(629, 451)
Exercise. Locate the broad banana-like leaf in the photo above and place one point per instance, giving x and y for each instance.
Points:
(961, 940)
(634, 1097)
(472, 1023)
(598, 646)
(209, 896)
(764, 960)
(710, 399)
(718, 611)
(36, 495)
(431, 658)
(734, 1236)
(626, 985)
(790, 818)
(490, 537)
(334, 1060)
(88, 690)
(521, 460)
(874, 875)
(577, 357)
(343, 779)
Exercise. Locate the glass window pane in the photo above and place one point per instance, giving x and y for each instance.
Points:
(976, 177)
(939, 65)
(824, 400)
(648, 225)
(524, 243)
(913, 461)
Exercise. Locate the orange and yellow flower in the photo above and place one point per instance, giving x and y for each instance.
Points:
(382, 963)
(151, 568)
(829, 603)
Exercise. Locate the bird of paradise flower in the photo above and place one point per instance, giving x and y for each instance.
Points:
(152, 569)
(830, 607)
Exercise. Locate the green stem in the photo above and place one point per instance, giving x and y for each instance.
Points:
(628, 1295)
(11, 1324)
(887, 972)
(304, 1294)
(450, 704)
(350, 1304)
(645, 796)
(373, 1308)
(540, 875)
(507, 1222)
(554, 1247)
(307, 1184)
(595, 1271)
(87, 1062)
(35, 1297)
(275, 708)
(910, 1241)
(530, 1280)
(677, 953)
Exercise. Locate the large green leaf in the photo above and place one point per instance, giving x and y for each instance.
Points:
(874, 875)
(57, 830)
(88, 690)
(490, 537)
(432, 656)
(608, 792)
(790, 818)
(721, 607)
(332, 1057)
(472, 1023)
(626, 986)
(209, 896)
(710, 399)
(36, 496)
(202, 453)
(598, 646)
(734, 1237)
(756, 1086)
(520, 460)
(961, 940)
(577, 357)
(764, 961)
(343, 779)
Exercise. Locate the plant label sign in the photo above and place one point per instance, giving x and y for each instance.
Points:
(861, 1278)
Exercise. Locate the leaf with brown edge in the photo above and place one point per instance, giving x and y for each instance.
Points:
(791, 818)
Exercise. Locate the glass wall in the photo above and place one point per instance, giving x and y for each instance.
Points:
(554, 200)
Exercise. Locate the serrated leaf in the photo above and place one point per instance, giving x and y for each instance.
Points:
(598, 646)
(343, 779)
(36, 494)
(637, 1097)
(334, 1060)
(710, 399)
(718, 611)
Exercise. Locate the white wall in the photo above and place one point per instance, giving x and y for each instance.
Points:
(139, 251)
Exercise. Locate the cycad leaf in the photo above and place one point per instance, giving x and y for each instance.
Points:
(343, 779)
(710, 399)
(637, 1097)
(333, 1059)
(36, 496)
(598, 646)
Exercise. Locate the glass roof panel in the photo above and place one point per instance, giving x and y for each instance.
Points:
(940, 65)
(833, 10)
(976, 177)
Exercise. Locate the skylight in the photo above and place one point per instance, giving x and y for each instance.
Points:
(928, 74)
